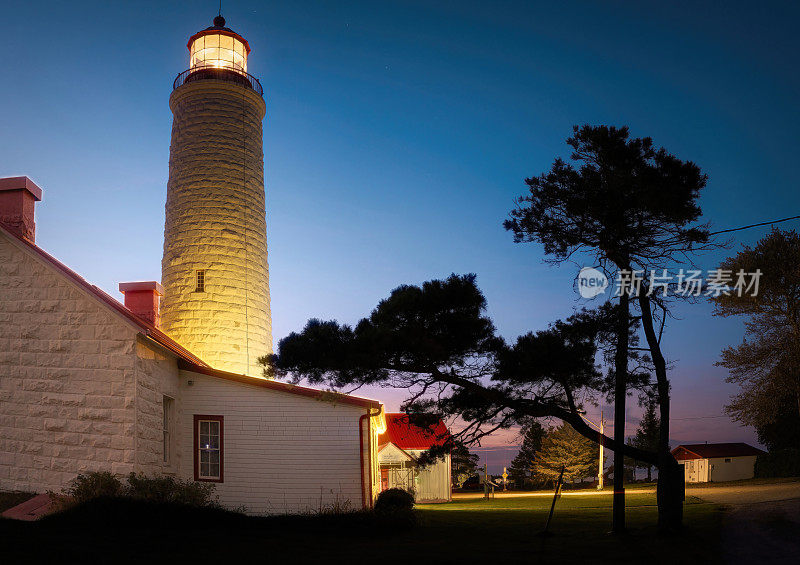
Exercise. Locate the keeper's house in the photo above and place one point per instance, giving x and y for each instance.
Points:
(717, 462)
(400, 446)
(90, 384)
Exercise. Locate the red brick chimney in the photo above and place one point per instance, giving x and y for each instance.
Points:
(18, 195)
(143, 299)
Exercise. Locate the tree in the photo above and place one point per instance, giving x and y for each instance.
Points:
(521, 469)
(564, 447)
(627, 206)
(463, 463)
(435, 342)
(648, 434)
(766, 365)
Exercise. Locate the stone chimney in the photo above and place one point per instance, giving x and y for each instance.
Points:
(18, 196)
(143, 299)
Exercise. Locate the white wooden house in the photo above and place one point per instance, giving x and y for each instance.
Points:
(88, 384)
(717, 462)
(399, 447)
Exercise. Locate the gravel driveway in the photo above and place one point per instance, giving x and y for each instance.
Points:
(762, 524)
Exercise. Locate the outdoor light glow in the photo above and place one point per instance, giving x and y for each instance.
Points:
(218, 50)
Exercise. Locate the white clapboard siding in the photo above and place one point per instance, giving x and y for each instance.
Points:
(283, 452)
(433, 481)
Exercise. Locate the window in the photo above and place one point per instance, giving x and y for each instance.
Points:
(208, 451)
(201, 281)
(727, 460)
(167, 408)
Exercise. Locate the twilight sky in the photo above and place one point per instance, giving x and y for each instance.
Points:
(397, 135)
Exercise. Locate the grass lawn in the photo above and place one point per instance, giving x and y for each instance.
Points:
(501, 531)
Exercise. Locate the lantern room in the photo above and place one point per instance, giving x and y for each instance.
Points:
(218, 47)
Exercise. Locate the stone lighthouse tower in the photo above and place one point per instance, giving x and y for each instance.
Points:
(214, 270)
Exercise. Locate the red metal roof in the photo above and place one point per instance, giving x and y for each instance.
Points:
(187, 360)
(404, 435)
(708, 450)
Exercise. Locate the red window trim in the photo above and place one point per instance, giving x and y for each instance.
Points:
(220, 419)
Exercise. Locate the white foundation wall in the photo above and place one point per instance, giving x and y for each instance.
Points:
(283, 452)
(66, 377)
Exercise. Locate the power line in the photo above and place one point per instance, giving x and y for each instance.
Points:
(755, 225)
(698, 418)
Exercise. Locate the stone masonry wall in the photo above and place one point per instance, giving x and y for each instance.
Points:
(67, 378)
(156, 377)
(215, 221)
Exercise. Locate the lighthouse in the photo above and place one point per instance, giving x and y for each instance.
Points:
(214, 269)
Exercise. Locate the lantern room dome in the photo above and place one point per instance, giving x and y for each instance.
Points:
(218, 47)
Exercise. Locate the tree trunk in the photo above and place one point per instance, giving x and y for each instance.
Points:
(670, 493)
(649, 474)
(620, 393)
(670, 487)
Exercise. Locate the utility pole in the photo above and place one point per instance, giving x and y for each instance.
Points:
(600, 470)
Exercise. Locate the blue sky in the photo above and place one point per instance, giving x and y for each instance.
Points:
(397, 135)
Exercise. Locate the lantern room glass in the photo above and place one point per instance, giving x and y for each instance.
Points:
(218, 51)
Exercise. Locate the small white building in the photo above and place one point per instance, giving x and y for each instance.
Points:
(717, 462)
(399, 447)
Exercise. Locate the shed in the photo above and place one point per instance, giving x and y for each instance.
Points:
(399, 448)
(716, 462)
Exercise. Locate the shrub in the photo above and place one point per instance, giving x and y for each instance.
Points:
(158, 489)
(394, 500)
(94, 485)
(779, 463)
(169, 489)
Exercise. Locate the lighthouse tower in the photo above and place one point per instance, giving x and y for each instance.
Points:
(214, 270)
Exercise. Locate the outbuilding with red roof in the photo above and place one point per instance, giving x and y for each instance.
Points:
(717, 462)
(399, 448)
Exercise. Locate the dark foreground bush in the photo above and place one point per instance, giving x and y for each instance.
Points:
(89, 486)
(394, 500)
(395, 509)
(158, 489)
(169, 489)
(779, 463)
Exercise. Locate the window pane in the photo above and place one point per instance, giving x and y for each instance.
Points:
(214, 442)
(212, 40)
(204, 470)
(204, 456)
(213, 470)
(214, 428)
(204, 428)
(214, 456)
(204, 441)
(226, 42)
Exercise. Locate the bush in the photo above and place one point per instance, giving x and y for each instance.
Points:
(159, 489)
(393, 501)
(169, 489)
(779, 463)
(94, 485)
